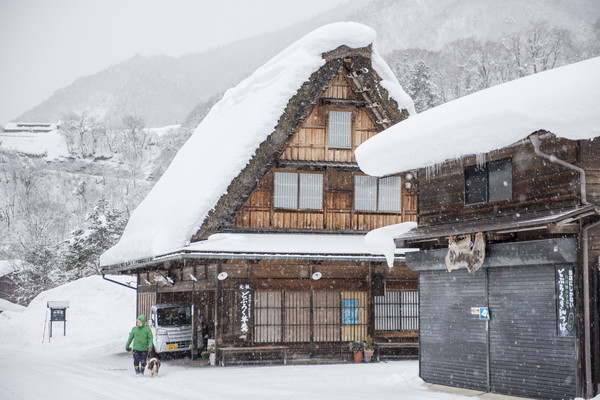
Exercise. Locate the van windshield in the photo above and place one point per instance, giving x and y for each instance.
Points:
(174, 316)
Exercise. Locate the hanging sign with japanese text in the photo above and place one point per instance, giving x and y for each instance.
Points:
(244, 308)
(565, 302)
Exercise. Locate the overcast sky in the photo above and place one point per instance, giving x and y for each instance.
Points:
(47, 44)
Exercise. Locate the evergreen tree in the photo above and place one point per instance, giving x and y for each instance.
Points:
(416, 81)
(103, 229)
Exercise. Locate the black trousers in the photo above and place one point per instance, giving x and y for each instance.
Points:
(139, 360)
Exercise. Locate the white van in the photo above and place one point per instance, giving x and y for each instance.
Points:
(171, 326)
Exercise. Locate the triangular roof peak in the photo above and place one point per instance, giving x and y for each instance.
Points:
(217, 168)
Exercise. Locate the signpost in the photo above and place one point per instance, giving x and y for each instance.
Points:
(58, 313)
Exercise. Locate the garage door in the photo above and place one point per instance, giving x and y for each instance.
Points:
(527, 357)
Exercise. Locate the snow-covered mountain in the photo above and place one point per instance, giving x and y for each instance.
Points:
(164, 90)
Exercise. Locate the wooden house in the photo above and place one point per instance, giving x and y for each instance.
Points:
(276, 261)
(509, 232)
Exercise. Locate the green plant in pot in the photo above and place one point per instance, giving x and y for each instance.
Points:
(369, 350)
(357, 348)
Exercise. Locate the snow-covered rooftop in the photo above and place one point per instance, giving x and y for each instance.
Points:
(289, 244)
(564, 101)
(225, 141)
(42, 144)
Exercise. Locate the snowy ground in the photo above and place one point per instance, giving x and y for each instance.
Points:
(90, 361)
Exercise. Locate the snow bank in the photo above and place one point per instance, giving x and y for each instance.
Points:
(226, 139)
(563, 101)
(100, 314)
(8, 306)
(51, 145)
(8, 266)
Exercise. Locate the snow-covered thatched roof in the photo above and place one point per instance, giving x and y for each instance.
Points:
(564, 101)
(225, 142)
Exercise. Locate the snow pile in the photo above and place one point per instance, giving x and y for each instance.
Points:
(8, 306)
(381, 240)
(226, 139)
(563, 101)
(51, 145)
(8, 266)
(100, 314)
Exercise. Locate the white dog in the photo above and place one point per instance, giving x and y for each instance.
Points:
(153, 366)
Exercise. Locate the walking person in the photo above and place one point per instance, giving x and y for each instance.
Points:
(141, 335)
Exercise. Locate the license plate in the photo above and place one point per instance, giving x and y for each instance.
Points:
(172, 346)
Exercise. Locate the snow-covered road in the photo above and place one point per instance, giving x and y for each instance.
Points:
(59, 373)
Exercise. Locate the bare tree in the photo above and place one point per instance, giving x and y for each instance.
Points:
(84, 134)
(135, 143)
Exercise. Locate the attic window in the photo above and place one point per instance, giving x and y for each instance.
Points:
(373, 194)
(340, 129)
(298, 190)
(489, 182)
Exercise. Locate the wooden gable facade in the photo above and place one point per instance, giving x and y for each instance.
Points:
(536, 204)
(302, 307)
(309, 150)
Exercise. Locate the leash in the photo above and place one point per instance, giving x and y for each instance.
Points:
(147, 356)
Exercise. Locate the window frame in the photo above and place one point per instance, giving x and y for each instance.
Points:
(299, 190)
(323, 318)
(378, 198)
(350, 133)
(485, 174)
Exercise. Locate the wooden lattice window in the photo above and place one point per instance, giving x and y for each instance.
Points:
(327, 316)
(397, 310)
(267, 316)
(297, 317)
(285, 316)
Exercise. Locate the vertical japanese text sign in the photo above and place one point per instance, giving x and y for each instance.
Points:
(565, 302)
(244, 308)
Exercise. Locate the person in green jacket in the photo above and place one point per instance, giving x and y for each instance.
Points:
(141, 335)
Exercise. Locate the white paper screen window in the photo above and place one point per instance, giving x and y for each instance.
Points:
(390, 190)
(311, 191)
(340, 129)
(286, 190)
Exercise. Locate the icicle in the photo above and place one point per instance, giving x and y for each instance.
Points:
(432, 170)
(480, 160)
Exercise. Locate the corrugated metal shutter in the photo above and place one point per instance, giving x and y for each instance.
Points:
(453, 358)
(527, 357)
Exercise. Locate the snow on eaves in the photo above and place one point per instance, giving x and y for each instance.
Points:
(225, 141)
(564, 101)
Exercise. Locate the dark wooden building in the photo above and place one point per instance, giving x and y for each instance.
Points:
(278, 268)
(508, 267)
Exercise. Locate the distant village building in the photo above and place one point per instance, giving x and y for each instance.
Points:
(260, 219)
(509, 232)
(32, 127)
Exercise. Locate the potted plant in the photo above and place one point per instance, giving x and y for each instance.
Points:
(369, 349)
(210, 351)
(357, 348)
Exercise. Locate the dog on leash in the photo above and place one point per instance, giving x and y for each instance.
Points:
(153, 366)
